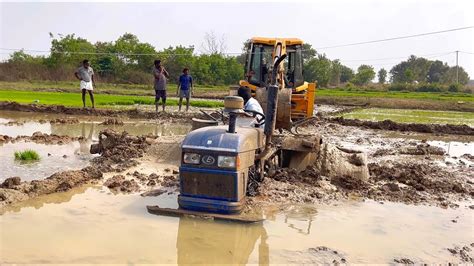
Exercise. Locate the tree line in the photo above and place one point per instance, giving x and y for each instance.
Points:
(128, 60)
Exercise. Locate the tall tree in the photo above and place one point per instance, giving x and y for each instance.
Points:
(450, 76)
(308, 52)
(70, 50)
(437, 70)
(176, 59)
(417, 69)
(335, 76)
(135, 53)
(382, 75)
(365, 73)
(214, 44)
(346, 73)
(318, 69)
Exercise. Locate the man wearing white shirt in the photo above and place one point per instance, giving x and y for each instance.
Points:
(250, 104)
(86, 75)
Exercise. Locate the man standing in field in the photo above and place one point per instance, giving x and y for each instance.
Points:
(160, 74)
(85, 74)
(185, 88)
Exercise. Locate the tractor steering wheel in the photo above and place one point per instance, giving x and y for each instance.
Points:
(260, 120)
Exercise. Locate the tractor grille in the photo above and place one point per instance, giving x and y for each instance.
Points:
(209, 185)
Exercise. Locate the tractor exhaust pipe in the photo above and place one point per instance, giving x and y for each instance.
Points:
(232, 122)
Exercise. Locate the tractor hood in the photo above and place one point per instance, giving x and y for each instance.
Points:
(217, 138)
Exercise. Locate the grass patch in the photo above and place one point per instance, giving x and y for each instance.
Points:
(101, 100)
(440, 96)
(27, 155)
(105, 88)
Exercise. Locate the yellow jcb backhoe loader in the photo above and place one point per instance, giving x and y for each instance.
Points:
(262, 53)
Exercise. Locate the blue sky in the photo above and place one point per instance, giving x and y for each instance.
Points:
(321, 23)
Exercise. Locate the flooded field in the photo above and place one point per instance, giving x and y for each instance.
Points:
(91, 225)
(21, 123)
(54, 158)
(100, 223)
(413, 116)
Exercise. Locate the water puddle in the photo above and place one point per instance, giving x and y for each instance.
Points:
(90, 225)
(88, 127)
(71, 156)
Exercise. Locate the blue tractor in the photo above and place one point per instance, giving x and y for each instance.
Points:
(222, 164)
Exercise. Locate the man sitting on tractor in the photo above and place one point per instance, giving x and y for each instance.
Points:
(250, 104)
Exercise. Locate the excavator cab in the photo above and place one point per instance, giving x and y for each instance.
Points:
(294, 91)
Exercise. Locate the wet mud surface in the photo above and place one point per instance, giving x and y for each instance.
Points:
(390, 125)
(83, 219)
(41, 138)
(400, 170)
(402, 176)
(118, 152)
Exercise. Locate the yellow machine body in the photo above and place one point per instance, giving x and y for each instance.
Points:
(296, 97)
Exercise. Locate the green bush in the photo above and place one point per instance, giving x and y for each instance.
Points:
(27, 155)
(429, 87)
(400, 87)
(422, 87)
(454, 88)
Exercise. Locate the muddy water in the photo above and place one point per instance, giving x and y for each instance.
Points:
(413, 116)
(88, 127)
(77, 157)
(90, 225)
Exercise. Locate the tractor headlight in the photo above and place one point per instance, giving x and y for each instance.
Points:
(191, 158)
(226, 161)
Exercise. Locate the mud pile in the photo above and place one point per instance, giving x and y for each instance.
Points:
(118, 183)
(13, 190)
(417, 182)
(407, 182)
(418, 149)
(62, 121)
(118, 150)
(465, 253)
(414, 127)
(41, 138)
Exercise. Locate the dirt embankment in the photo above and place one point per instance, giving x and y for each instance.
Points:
(394, 126)
(41, 138)
(416, 178)
(130, 113)
(13, 190)
(427, 104)
(389, 181)
(118, 152)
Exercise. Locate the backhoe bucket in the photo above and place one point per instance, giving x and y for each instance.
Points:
(283, 117)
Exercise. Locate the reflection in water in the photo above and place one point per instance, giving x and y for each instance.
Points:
(30, 124)
(91, 130)
(97, 227)
(303, 213)
(238, 242)
(38, 202)
(85, 144)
